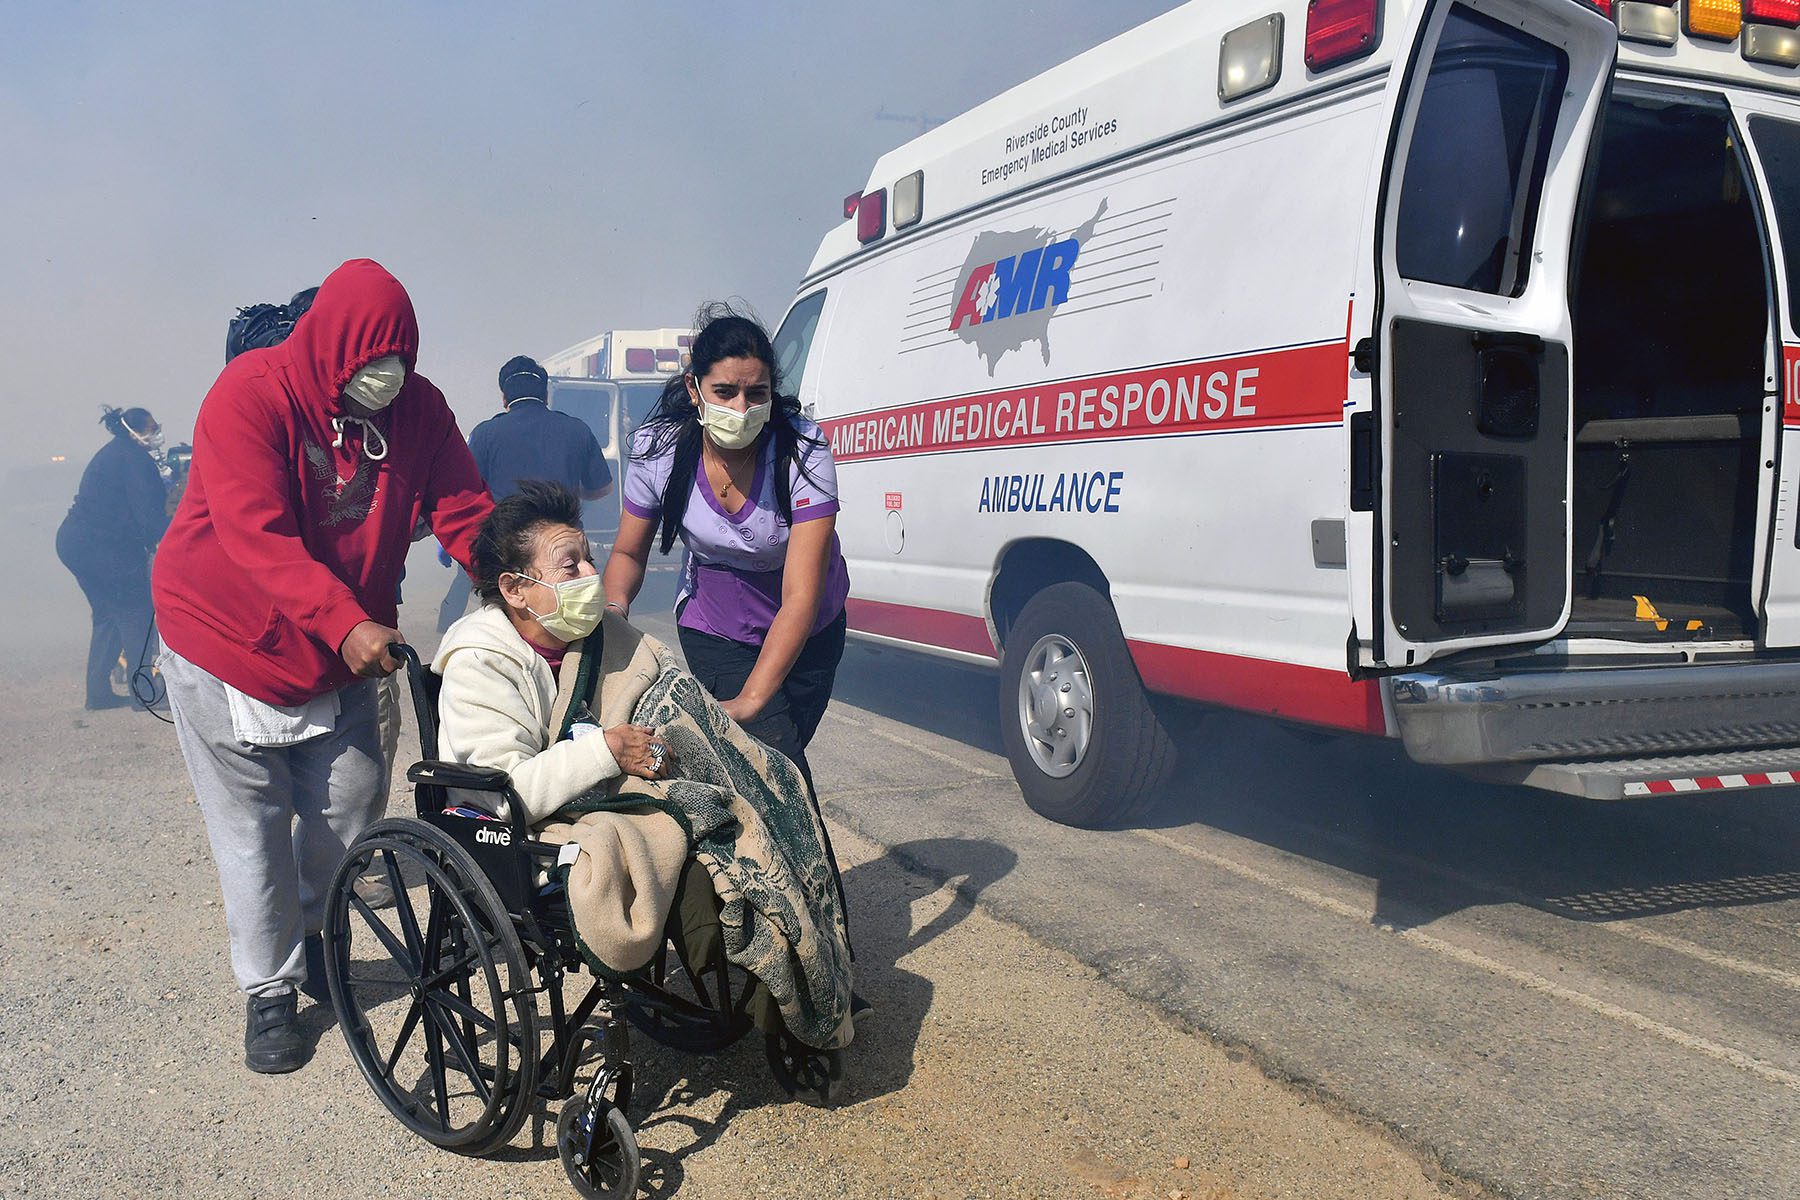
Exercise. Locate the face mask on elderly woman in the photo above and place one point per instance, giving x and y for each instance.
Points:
(580, 603)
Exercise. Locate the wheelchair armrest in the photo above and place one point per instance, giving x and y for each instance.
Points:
(470, 778)
(460, 775)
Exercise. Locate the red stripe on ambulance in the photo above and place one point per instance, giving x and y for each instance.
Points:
(926, 626)
(1314, 695)
(1269, 389)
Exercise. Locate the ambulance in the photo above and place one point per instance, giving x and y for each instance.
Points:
(1419, 368)
(612, 381)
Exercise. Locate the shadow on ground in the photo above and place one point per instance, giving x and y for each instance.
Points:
(1436, 842)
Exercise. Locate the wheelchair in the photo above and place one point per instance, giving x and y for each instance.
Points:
(443, 1002)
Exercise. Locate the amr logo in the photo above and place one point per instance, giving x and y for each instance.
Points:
(1011, 285)
(494, 837)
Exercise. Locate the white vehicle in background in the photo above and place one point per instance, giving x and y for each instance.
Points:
(612, 381)
(1411, 367)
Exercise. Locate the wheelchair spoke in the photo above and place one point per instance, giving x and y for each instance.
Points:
(456, 969)
(409, 918)
(464, 1053)
(461, 1007)
(403, 908)
(405, 1035)
(379, 928)
(434, 1055)
(698, 983)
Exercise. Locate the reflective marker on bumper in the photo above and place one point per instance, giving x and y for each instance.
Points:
(1709, 783)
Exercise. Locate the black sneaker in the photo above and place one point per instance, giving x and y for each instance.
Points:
(315, 985)
(272, 1041)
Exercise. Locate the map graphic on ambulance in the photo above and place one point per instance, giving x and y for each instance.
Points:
(1012, 284)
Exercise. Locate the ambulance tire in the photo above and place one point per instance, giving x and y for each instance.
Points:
(1128, 753)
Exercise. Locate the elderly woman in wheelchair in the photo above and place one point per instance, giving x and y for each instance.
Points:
(583, 805)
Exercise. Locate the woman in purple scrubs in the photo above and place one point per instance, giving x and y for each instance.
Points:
(726, 463)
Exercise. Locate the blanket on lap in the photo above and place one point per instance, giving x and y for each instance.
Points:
(747, 814)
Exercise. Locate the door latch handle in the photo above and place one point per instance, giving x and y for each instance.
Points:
(1487, 339)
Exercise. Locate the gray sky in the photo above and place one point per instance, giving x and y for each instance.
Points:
(533, 173)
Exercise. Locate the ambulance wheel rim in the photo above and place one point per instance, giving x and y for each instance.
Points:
(1056, 705)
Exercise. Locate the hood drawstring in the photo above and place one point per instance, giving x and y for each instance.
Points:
(370, 439)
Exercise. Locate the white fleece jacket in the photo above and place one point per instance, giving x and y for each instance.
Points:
(494, 711)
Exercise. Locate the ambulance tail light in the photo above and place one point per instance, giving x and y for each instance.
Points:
(640, 359)
(850, 203)
(685, 341)
(1649, 21)
(1605, 6)
(871, 216)
(1773, 12)
(1719, 20)
(668, 360)
(1339, 30)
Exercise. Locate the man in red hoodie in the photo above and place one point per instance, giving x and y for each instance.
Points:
(275, 595)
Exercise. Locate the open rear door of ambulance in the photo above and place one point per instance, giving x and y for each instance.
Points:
(1460, 444)
(1774, 127)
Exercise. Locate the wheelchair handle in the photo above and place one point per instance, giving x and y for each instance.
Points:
(405, 653)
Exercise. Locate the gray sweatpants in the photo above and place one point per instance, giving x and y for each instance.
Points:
(279, 817)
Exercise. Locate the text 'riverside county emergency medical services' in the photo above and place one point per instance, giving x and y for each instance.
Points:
(1044, 141)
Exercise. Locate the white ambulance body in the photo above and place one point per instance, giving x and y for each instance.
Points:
(1412, 368)
(612, 381)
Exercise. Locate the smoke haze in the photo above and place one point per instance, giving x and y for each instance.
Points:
(533, 173)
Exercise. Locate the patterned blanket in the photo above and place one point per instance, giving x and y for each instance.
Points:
(748, 817)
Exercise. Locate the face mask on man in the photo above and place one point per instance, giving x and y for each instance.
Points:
(730, 429)
(152, 441)
(375, 386)
(580, 603)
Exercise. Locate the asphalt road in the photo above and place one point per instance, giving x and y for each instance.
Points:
(1553, 998)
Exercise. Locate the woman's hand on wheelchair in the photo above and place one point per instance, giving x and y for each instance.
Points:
(639, 752)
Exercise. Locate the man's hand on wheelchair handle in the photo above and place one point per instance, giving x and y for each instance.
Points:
(365, 650)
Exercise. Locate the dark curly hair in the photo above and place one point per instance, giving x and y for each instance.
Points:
(722, 332)
(506, 537)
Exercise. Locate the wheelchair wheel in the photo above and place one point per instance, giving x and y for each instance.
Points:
(599, 1152)
(438, 1013)
(698, 1012)
(804, 1073)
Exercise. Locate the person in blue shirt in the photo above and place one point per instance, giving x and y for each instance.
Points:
(119, 515)
(528, 440)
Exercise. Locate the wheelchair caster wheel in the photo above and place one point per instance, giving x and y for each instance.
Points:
(804, 1073)
(599, 1152)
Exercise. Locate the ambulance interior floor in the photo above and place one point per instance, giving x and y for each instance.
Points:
(1648, 617)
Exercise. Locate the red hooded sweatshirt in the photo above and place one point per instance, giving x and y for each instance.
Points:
(285, 541)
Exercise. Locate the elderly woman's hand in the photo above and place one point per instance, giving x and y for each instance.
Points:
(638, 751)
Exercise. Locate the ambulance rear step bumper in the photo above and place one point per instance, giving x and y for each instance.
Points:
(1632, 778)
(1599, 714)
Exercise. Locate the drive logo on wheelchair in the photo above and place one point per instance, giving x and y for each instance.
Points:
(494, 837)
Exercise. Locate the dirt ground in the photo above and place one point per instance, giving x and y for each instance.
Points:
(995, 1066)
